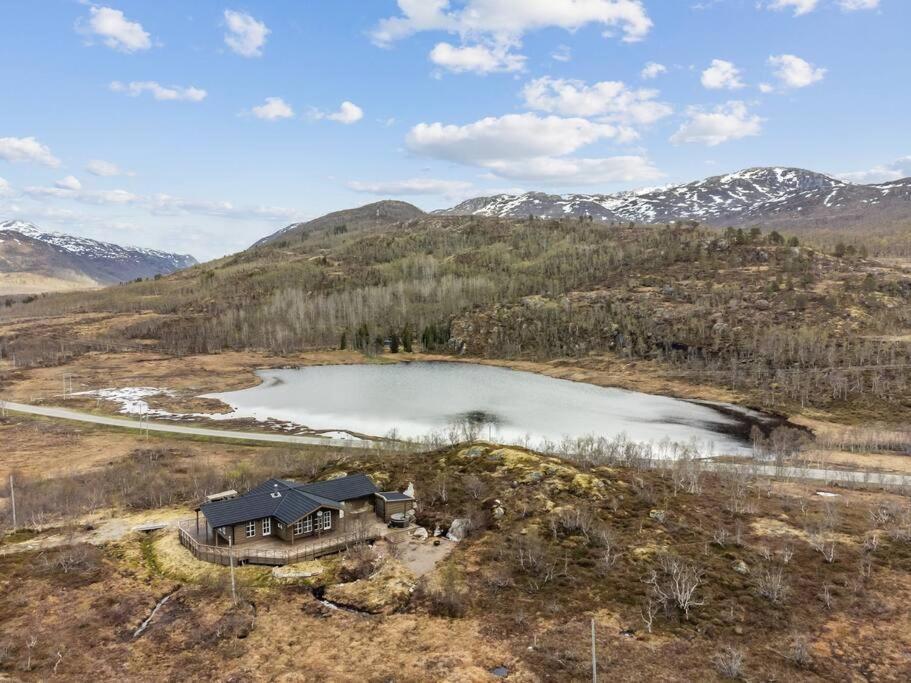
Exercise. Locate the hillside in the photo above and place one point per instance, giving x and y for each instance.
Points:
(788, 325)
(32, 261)
(680, 570)
(790, 199)
(370, 217)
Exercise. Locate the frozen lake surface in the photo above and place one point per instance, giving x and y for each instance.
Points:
(502, 405)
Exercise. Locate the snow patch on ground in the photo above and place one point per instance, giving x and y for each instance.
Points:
(134, 401)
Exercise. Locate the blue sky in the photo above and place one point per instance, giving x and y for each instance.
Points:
(201, 126)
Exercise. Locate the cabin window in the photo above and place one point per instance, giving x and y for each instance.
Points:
(267, 527)
(304, 526)
(251, 529)
(326, 519)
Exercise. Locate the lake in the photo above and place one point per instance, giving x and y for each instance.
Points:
(507, 406)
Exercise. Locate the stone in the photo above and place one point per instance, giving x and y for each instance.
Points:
(409, 490)
(658, 515)
(741, 567)
(458, 529)
(420, 534)
(762, 305)
(475, 452)
(498, 512)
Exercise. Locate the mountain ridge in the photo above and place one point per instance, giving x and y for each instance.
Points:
(370, 216)
(34, 260)
(774, 196)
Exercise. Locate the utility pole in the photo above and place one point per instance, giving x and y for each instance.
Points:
(231, 562)
(12, 499)
(594, 656)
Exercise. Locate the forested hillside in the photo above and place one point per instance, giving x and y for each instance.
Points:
(752, 311)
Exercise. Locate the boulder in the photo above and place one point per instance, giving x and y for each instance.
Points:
(741, 567)
(658, 515)
(420, 534)
(300, 570)
(409, 490)
(498, 512)
(458, 529)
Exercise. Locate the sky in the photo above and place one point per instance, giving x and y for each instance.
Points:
(199, 127)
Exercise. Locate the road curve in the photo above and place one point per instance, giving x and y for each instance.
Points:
(127, 423)
(806, 473)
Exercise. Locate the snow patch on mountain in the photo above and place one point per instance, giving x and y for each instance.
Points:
(750, 195)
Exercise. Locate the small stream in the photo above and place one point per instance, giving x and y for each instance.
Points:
(148, 620)
(320, 594)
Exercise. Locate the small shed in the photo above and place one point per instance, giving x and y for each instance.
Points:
(388, 503)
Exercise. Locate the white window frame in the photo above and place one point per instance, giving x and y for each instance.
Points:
(326, 522)
(308, 524)
(298, 528)
(250, 529)
(267, 526)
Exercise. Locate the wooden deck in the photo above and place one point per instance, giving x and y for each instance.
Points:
(274, 551)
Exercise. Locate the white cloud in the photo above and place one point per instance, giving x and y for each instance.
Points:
(167, 205)
(531, 147)
(855, 5)
(722, 75)
(413, 186)
(69, 183)
(514, 136)
(478, 58)
(507, 20)
(246, 36)
(105, 169)
(173, 93)
(611, 100)
(347, 113)
(653, 70)
(274, 108)
(575, 171)
(5, 188)
(27, 149)
(731, 121)
(766, 88)
(563, 53)
(794, 72)
(99, 197)
(882, 173)
(800, 7)
(115, 30)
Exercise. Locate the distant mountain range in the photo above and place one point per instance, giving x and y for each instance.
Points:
(33, 260)
(771, 197)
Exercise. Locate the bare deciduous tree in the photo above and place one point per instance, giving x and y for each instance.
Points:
(675, 583)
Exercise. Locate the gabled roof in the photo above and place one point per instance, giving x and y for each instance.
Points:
(394, 496)
(287, 501)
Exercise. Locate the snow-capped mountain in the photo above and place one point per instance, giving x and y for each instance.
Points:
(770, 196)
(27, 252)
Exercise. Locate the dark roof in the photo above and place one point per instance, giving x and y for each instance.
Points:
(293, 501)
(390, 496)
(343, 488)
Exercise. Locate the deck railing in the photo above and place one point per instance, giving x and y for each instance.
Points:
(308, 550)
